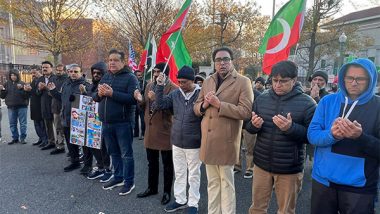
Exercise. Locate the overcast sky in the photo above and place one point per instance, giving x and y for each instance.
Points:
(349, 6)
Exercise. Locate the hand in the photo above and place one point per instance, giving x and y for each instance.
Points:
(314, 91)
(41, 86)
(335, 131)
(101, 90)
(151, 95)
(2, 87)
(212, 99)
(283, 123)
(82, 89)
(51, 86)
(351, 130)
(161, 79)
(27, 87)
(108, 91)
(137, 95)
(19, 86)
(256, 121)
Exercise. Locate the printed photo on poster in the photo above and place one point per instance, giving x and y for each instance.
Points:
(94, 130)
(88, 104)
(78, 126)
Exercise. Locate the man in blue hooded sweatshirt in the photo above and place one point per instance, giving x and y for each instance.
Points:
(346, 133)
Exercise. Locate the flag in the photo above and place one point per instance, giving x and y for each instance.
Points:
(172, 48)
(283, 33)
(148, 57)
(132, 57)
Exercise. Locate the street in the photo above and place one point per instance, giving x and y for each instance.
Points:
(33, 181)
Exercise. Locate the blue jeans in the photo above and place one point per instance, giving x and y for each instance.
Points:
(119, 139)
(19, 114)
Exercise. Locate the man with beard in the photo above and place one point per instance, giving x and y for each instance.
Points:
(318, 85)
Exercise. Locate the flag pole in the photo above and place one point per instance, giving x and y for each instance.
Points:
(145, 66)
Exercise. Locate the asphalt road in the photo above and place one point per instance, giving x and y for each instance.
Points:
(33, 181)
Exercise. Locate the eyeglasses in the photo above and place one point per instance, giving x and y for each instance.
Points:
(281, 81)
(224, 59)
(358, 80)
(74, 71)
(97, 73)
(182, 82)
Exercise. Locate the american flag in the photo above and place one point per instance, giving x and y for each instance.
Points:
(132, 57)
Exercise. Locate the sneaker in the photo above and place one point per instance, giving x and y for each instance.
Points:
(113, 183)
(95, 174)
(174, 207)
(13, 142)
(248, 174)
(86, 170)
(236, 170)
(192, 210)
(107, 176)
(23, 141)
(126, 189)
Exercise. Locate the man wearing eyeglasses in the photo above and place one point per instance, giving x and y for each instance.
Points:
(224, 101)
(280, 118)
(346, 133)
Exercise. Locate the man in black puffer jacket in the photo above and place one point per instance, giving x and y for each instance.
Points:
(117, 112)
(280, 117)
(69, 89)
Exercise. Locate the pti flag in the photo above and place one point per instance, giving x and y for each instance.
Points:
(172, 48)
(132, 57)
(283, 33)
(148, 57)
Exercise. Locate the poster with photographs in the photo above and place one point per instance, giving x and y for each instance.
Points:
(94, 130)
(78, 126)
(88, 104)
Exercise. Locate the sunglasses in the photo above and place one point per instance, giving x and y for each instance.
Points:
(74, 71)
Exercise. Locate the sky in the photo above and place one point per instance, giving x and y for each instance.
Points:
(349, 6)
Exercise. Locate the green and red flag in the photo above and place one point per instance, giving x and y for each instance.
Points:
(172, 49)
(283, 33)
(148, 58)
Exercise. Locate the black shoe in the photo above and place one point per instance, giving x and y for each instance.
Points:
(165, 198)
(146, 193)
(13, 142)
(57, 151)
(85, 170)
(43, 144)
(49, 146)
(37, 143)
(71, 167)
(23, 141)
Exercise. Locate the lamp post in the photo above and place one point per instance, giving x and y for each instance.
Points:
(342, 47)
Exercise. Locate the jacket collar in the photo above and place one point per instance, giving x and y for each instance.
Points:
(228, 80)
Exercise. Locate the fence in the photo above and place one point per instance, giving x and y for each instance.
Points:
(23, 69)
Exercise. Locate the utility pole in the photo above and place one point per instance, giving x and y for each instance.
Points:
(274, 8)
(11, 34)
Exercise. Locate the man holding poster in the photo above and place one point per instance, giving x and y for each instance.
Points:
(117, 112)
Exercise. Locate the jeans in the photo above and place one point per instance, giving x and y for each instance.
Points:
(19, 114)
(119, 139)
(39, 126)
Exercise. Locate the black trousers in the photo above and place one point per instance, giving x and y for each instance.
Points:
(153, 169)
(328, 200)
(139, 116)
(73, 149)
(101, 155)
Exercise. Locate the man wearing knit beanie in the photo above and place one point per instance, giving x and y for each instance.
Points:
(318, 83)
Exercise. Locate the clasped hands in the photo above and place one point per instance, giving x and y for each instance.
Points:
(283, 123)
(344, 128)
(104, 90)
(211, 99)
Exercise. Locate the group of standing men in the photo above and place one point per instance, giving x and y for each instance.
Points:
(188, 125)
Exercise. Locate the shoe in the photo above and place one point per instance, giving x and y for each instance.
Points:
(37, 143)
(165, 198)
(141, 138)
(146, 193)
(113, 183)
(57, 151)
(248, 174)
(13, 142)
(96, 173)
(47, 147)
(43, 144)
(81, 158)
(192, 210)
(126, 189)
(86, 170)
(107, 176)
(174, 207)
(71, 167)
(23, 141)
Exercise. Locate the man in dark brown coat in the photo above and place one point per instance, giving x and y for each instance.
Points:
(157, 137)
